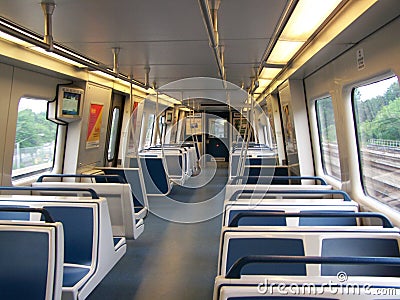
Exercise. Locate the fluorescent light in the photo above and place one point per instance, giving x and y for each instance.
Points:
(269, 73)
(103, 74)
(171, 100)
(262, 84)
(56, 56)
(121, 81)
(283, 51)
(14, 39)
(306, 18)
(260, 89)
(75, 55)
(24, 32)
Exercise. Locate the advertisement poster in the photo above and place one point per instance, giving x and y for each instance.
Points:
(94, 126)
(193, 125)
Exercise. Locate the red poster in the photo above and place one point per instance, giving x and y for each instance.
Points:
(94, 126)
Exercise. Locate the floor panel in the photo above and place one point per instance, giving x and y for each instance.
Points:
(169, 260)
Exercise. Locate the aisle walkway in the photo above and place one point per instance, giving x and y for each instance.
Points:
(169, 261)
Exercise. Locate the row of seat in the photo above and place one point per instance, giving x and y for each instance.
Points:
(260, 160)
(166, 164)
(278, 240)
(127, 205)
(65, 255)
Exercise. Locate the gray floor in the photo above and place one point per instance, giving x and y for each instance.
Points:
(169, 260)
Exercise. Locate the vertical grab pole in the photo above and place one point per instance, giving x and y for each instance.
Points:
(159, 135)
(245, 144)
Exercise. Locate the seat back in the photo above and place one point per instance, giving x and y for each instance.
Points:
(370, 247)
(31, 255)
(119, 201)
(79, 232)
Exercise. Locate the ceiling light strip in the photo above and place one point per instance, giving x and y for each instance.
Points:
(20, 33)
(300, 28)
(348, 13)
(306, 18)
(278, 30)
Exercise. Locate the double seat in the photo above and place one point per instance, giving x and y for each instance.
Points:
(263, 264)
(245, 204)
(90, 250)
(127, 217)
(31, 254)
(259, 160)
(162, 166)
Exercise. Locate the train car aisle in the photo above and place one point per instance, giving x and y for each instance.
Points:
(170, 260)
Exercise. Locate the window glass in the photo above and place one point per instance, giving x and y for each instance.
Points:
(271, 128)
(149, 131)
(218, 127)
(160, 131)
(113, 134)
(35, 139)
(327, 137)
(377, 115)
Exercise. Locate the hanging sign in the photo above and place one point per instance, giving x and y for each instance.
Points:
(360, 59)
(94, 126)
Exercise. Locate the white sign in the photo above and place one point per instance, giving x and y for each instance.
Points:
(360, 59)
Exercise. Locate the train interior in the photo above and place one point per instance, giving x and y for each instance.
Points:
(210, 149)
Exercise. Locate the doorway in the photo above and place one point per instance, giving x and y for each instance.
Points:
(217, 138)
(114, 129)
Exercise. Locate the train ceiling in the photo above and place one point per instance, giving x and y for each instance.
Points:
(171, 39)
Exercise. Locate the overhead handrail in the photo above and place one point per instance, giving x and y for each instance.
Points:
(235, 271)
(160, 149)
(43, 211)
(386, 223)
(92, 192)
(316, 178)
(119, 178)
(346, 196)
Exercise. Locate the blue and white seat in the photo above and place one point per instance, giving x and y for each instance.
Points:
(32, 255)
(90, 249)
(125, 222)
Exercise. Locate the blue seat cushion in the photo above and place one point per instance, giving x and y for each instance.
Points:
(72, 275)
(78, 232)
(10, 215)
(373, 247)
(241, 247)
(154, 176)
(24, 261)
(326, 221)
(258, 221)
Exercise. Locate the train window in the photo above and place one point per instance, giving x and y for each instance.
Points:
(35, 139)
(377, 119)
(218, 128)
(149, 131)
(113, 134)
(160, 131)
(327, 137)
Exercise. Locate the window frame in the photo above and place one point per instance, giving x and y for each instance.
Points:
(112, 142)
(19, 177)
(357, 133)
